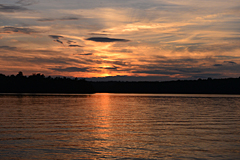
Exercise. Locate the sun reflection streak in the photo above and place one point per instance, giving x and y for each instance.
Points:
(103, 126)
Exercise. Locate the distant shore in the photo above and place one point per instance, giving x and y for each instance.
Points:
(208, 86)
(38, 83)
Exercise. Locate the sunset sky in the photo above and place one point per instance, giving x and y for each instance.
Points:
(153, 40)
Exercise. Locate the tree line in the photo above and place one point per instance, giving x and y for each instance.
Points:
(200, 86)
(38, 83)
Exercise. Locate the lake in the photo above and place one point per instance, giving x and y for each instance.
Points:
(119, 126)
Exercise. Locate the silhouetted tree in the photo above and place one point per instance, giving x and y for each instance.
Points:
(20, 74)
(209, 79)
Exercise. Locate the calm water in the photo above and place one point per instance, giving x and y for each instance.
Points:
(119, 126)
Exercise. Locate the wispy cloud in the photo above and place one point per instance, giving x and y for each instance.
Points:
(70, 69)
(111, 68)
(27, 2)
(56, 38)
(97, 34)
(75, 46)
(217, 65)
(58, 19)
(8, 47)
(47, 60)
(12, 8)
(105, 39)
(230, 62)
(58, 41)
(22, 30)
(86, 54)
(216, 47)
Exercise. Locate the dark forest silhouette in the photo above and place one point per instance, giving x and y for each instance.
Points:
(208, 86)
(38, 83)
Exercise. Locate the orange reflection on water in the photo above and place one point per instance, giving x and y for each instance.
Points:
(103, 130)
(104, 109)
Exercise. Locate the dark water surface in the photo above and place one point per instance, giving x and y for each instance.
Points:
(119, 126)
